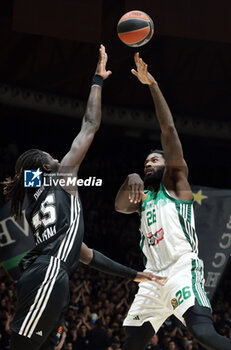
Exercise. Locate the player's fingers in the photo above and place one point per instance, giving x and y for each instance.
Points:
(134, 72)
(152, 276)
(136, 57)
(141, 62)
(100, 58)
(108, 73)
(134, 190)
(129, 196)
(141, 188)
(143, 65)
(102, 47)
(132, 193)
(105, 57)
(137, 193)
(159, 280)
(102, 53)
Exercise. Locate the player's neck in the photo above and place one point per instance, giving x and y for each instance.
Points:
(153, 187)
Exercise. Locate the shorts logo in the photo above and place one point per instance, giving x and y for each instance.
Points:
(136, 318)
(32, 178)
(174, 303)
(39, 333)
(154, 239)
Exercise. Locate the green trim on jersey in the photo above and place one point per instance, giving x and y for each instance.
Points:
(161, 194)
(197, 284)
(184, 209)
(155, 196)
(162, 188)
(184, 215)
(183, 225)
(141, 247)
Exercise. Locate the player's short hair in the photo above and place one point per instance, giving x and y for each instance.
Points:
(14, 188)
(157, 151)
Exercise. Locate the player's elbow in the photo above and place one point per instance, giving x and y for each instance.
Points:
(168, 130)
(90, 126)
(92, 119)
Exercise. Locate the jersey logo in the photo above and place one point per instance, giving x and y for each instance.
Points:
(154, 239)
(144, 196)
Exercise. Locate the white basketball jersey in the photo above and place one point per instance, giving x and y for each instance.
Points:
(167, 229)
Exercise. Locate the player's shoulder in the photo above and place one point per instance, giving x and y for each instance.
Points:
(172, 196)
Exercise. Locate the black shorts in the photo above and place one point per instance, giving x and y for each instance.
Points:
(42, 299)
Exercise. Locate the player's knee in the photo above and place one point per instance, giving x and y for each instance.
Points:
(203, 333)
(198, 333)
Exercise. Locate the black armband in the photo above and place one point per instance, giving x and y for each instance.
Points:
(97, 80)
(104, 264)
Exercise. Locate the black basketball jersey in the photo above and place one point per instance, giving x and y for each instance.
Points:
(56, 221)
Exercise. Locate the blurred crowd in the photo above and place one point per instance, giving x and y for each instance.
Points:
(98, 305)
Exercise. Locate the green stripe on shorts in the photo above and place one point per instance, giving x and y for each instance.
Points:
(197, 284)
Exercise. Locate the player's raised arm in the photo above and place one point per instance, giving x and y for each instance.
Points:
(175, 178)
(100, 262)
(91, 119)
(129, 195)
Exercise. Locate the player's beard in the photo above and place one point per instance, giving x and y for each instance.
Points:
(154, 179)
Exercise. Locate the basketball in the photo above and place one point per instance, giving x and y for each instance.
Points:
(135, 28)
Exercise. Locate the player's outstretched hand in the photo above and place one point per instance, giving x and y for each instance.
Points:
(136, 188)
(101, 65)
(146, 276)
(142, 71)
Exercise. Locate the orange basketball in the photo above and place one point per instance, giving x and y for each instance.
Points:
(135, 28)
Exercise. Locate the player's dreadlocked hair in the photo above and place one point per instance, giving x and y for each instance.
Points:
(14, 188)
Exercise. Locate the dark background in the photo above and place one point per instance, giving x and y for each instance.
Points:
(52, 47)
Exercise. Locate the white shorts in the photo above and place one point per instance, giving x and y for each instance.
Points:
(153, 303)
